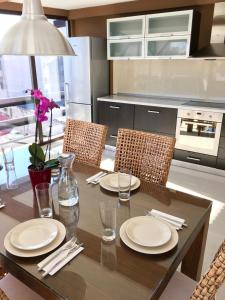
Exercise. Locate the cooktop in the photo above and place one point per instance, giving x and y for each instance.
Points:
(205, 104)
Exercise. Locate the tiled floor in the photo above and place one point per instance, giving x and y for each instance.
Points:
(200, 184)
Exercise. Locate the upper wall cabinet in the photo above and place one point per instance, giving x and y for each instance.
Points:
(164, 35)
(124, 28)
(125, 49)
(169, 24)
(167, 47)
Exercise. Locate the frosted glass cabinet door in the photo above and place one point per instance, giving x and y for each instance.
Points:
(167, 24)
(124, 49)
(168, 47)
(129, 27)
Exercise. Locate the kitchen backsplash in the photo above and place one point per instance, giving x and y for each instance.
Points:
(189, 78)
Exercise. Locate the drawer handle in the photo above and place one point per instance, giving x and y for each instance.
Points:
(153, 111)
(193, 158)
(113, 136)
(114, 107)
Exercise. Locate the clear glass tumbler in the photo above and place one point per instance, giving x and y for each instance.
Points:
(8, 157)
(108, 210)
(44, 199)
(124, 181)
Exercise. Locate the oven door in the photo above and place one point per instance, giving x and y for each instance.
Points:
(198, 135)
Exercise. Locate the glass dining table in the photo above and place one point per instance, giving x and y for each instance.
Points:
(109, 271)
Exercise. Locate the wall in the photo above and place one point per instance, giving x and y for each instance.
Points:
(202, 79)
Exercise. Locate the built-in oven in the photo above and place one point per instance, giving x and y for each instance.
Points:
(198, 131)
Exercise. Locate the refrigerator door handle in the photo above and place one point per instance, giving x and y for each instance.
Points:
(66, 92)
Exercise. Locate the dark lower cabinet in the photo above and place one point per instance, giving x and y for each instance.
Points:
(115, 116)
(196, 158)
(155, 119)
(220, 164)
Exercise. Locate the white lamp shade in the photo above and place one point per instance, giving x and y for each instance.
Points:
(34, 35)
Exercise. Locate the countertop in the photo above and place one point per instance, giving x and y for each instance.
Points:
(160, 102)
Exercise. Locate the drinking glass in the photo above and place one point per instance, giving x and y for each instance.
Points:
(44, 199)
(124, 181)
(108, 208)
(8, 157)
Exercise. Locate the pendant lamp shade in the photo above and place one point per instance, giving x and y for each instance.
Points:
(34, 35)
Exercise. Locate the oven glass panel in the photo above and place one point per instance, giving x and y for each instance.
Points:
(190, 127)
(197, 135)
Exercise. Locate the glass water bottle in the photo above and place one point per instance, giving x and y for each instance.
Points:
(68, 194)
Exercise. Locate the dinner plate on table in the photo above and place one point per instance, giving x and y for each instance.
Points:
(148, 231)
(33, 234)
(107, 181)
(113, 180)
(149, 250)
(37, 252)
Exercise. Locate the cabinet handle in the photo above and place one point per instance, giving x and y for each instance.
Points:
(193, 158)
(113, 136)
(153, 111)
(114, 107)
(166, 34)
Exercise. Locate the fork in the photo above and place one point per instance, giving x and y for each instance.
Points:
(69, 246)
(64, 257)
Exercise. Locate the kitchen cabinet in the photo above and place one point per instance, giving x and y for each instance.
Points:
(169, 23)
(125, 49)
(115, 116)
(195, 158)
(163, 35)
(167, 47)
(155, 119)
(128, 27)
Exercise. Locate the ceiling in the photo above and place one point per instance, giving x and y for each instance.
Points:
(74, 4)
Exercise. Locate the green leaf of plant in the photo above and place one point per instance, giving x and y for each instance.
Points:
(37, 152)
(53, 163)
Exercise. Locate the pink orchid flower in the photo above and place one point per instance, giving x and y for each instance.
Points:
(44, 105)
(53, 104)
(36, 93)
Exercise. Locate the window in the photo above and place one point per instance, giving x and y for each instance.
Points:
(16, 108)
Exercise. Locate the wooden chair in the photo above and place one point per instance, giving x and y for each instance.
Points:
(181, 287)
(146, 155)
(86, 140)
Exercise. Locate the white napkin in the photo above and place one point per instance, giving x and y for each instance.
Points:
(175, 221)
(59, 257)
(94, 177)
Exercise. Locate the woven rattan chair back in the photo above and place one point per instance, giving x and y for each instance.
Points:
(86, 140)
(213, 279)
(146, 155)
(3, 295)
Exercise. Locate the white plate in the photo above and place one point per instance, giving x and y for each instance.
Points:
(148, 250)
(104, 183)
(33, 253)
(113, 180)
(33, 234)
(148, 231)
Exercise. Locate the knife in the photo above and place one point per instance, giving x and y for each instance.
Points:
(67, 253)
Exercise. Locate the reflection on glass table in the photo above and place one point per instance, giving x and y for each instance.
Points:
(8, 157)
(109, 255)
(69, 216)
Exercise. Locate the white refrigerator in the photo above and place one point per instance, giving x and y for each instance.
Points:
(86, 77)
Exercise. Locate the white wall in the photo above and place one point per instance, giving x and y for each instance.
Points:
(189, 78)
